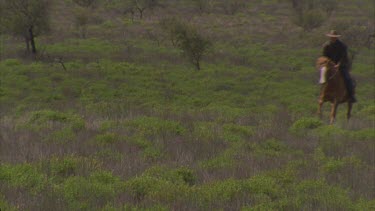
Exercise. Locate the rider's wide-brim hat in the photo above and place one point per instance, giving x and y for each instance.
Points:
(333, 33)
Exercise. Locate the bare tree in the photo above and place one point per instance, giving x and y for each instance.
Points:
(232, 7)
(85, 3)
(26, 18)
(133, 6)
(203, 6)
(142, 5)
(311, 14)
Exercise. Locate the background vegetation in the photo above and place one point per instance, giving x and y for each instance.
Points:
(182, 105)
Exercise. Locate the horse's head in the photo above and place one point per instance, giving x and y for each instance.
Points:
(325, 66)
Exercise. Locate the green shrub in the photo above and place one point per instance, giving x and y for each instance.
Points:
(180, 175)
(109, 154)
(43, 118)
(5, 205)
(107, 138)
(234, 133)
(206, 131)
(330, 132)
(71, 88)
(270, 148)
(84, 47)
(97, 92)
(317, 194)
(159, 190)
(63, 167)
(23, 176)
(367, 134)
(264, 186)
(141, 142)
(187, 175)
(60, 168)
(152, 153)
(107, 125)
(62, 136)
(332, 165)
(365, 205)
(218, 193)
(226, 159)
(152, 126)
(224, 113)
(304, 124)
(92, 192)
(11, 62)
(222, 161)
(157, 207)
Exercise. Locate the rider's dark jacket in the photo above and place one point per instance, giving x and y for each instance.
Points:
(337, 52)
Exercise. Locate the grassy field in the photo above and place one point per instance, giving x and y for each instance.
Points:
(121, 121)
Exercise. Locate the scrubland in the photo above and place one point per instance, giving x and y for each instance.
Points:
(120, 120)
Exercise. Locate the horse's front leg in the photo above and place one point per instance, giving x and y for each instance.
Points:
(348, 114)
(320, 109)
(333, 112)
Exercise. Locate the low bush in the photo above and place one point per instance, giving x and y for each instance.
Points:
(46, 118)
(218, 194)
(152, 126)
(148, 188)
(304, 124)
(5, 205)
(25, 176)
(317, 194)
(90, 192)
(107, 138)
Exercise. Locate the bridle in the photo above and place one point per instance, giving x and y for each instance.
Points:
(326, 65)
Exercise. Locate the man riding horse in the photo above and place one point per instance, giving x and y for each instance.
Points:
(336, 50)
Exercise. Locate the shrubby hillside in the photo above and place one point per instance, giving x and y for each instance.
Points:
(181, 105)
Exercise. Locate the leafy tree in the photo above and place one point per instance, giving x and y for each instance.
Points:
(25, 18)
(186, 37)
(82, 14)
(172, 26)
(81, 20)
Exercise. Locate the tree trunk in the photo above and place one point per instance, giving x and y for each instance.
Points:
(132, 15)
(32, 41)
(141, 14)
(27, 42)
(197, 65)
(295, 4)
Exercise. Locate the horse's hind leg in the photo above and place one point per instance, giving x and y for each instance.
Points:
(348, 114)
(333, 112)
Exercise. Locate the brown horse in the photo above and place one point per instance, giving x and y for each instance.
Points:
(333, 88)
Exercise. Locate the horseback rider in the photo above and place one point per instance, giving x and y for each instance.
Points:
(337, 51)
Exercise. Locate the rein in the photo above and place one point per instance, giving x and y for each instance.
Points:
(334, 74)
